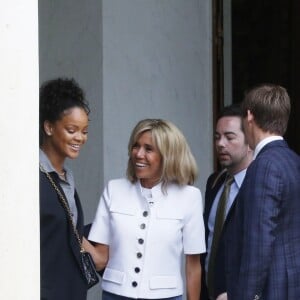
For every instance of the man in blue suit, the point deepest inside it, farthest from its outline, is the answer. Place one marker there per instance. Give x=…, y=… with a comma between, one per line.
x=234, y=156
x=263, y=235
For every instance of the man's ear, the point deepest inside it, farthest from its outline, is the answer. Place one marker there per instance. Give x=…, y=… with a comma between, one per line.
x=250, y=117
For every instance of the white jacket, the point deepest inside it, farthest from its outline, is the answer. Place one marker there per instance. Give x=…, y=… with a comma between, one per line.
x=145, y=241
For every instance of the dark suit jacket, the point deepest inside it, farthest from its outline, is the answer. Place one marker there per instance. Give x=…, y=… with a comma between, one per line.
x=263, y=236
x=214, y=183
x=61, y=276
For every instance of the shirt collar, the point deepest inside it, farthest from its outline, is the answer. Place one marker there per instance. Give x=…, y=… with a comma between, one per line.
x=239, y=177
x=264, y=142
x=47, y=165
x=45, y=162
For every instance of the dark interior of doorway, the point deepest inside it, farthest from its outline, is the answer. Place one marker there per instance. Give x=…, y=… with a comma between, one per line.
x=266, y=48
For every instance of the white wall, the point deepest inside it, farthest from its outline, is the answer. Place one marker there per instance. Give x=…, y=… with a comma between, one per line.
x=19, y=221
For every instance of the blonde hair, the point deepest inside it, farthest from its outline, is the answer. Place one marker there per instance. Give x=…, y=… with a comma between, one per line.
x=178, y=163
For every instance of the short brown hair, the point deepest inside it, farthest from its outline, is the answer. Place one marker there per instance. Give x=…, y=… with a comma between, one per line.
x=270, y=106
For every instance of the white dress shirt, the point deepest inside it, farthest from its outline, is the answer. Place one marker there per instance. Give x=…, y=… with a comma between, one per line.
x=264, y=142
x=146, y=241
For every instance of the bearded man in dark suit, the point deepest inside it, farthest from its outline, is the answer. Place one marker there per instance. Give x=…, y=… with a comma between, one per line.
x=234, y=156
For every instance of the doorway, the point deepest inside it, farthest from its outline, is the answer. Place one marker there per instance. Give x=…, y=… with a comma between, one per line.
x=255, y=42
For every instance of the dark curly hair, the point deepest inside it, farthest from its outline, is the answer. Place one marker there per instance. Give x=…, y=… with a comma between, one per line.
x=58, y=95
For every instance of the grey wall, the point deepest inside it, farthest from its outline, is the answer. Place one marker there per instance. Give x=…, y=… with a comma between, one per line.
x=135, y=59
x=156, y=63
x=70, y=45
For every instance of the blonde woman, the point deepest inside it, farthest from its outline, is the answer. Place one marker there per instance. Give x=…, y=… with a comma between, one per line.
x=144, y=223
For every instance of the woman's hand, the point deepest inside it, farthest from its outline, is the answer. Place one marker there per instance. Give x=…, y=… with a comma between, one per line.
x=99, y=253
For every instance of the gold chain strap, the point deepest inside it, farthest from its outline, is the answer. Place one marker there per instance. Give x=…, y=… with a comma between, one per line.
x=65, y=204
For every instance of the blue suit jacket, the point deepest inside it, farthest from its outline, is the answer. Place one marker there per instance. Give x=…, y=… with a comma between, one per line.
x=263, y=236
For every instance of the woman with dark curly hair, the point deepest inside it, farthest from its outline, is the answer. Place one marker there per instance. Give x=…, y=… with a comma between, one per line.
x=63, y=131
